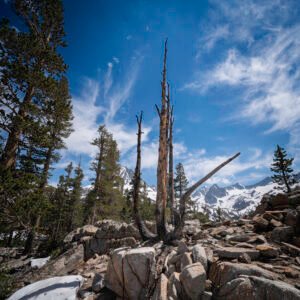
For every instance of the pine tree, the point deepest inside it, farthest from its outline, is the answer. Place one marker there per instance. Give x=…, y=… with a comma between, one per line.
x=180, y=181
x=30, y=65
x=282, y=169
x=106, y=198
x=76, y=205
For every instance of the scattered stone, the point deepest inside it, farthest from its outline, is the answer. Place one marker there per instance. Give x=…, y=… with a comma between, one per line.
x=234, y=252
x=199, y=255
x=193, y=279
x=275, y=223
x=291, y=273
x=98, y=283
x=239, y=238
x=252, y=287
x=245, y=245
x=244, y=258
x=174, y=287
x=109, y=229
x=222, y=272
x=208, y=285
x=161, y=289
x=186, y=259
x=206, y=295
x=182, y=247
x=267, y=250
x=282, y=234
x=260, y=224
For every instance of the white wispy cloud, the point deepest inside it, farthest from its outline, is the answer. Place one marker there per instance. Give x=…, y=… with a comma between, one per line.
x=88, y=114
x=240, y=21
x=261, y=63
x=85, y=124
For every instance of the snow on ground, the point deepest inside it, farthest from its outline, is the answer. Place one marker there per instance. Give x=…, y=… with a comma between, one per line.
x=39, y=262
x=55, y=288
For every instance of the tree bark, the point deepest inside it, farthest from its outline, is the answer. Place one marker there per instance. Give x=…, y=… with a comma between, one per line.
x=8, y=159
x=161, y=197
x=171, y=192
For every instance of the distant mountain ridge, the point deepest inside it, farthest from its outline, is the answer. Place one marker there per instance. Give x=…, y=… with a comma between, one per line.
x=234, y=200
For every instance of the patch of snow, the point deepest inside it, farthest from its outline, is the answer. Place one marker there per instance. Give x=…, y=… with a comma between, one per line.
x=39, y=262
x=55, y=288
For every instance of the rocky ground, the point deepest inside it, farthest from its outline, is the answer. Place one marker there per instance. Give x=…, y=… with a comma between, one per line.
x=256, y=257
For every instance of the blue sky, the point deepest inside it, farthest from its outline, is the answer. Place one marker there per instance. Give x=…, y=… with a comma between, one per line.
x=233, y=67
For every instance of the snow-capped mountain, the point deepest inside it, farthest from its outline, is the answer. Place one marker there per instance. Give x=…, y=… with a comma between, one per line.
x=127, y=175
x=234, y=200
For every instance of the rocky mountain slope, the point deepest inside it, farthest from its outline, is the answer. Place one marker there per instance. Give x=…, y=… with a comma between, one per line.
x=253, y=258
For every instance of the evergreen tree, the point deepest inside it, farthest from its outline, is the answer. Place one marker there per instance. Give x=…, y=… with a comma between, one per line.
x=61, y=208
x=105, y=199
x=180, y=181
x=282, y=169
x=76, y=205
x=30, y=66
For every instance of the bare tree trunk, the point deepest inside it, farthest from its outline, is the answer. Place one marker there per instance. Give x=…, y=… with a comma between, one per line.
x=171, y=192
x=182, y=206
x=144, y=232
x=8, y=159
x=161, y=197
x=286, y=182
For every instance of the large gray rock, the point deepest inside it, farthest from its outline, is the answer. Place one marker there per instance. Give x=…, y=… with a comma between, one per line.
x=77, y=234
x=193, y=279
x=191, y=227
x=260, y=223
x=186, y=259
x=130, y=272
x=199, y=255
x=252, y=288
x=235, y=252
x=161, y=289
x=109, y=229
x=223, y=272
x=282, y=234
x=94, y=246
x=174, y=287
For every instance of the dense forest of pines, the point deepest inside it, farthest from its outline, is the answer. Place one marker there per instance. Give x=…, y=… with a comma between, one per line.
x=36, y=118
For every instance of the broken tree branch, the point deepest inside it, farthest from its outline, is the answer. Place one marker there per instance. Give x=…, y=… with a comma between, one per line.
x=179, y=222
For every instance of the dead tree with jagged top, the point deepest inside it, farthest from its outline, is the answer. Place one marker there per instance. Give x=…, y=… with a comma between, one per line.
x=144, y=232
x=161, y=197
x=165, y=184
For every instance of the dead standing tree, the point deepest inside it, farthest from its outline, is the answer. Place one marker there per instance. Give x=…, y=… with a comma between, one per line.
x=145, y=233
x=162, y=175
x=165, y=187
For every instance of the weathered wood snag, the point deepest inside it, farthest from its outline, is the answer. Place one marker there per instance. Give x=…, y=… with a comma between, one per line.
x=165, y=181
x=144, y=232
x=161, y=197
x=171, y=191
